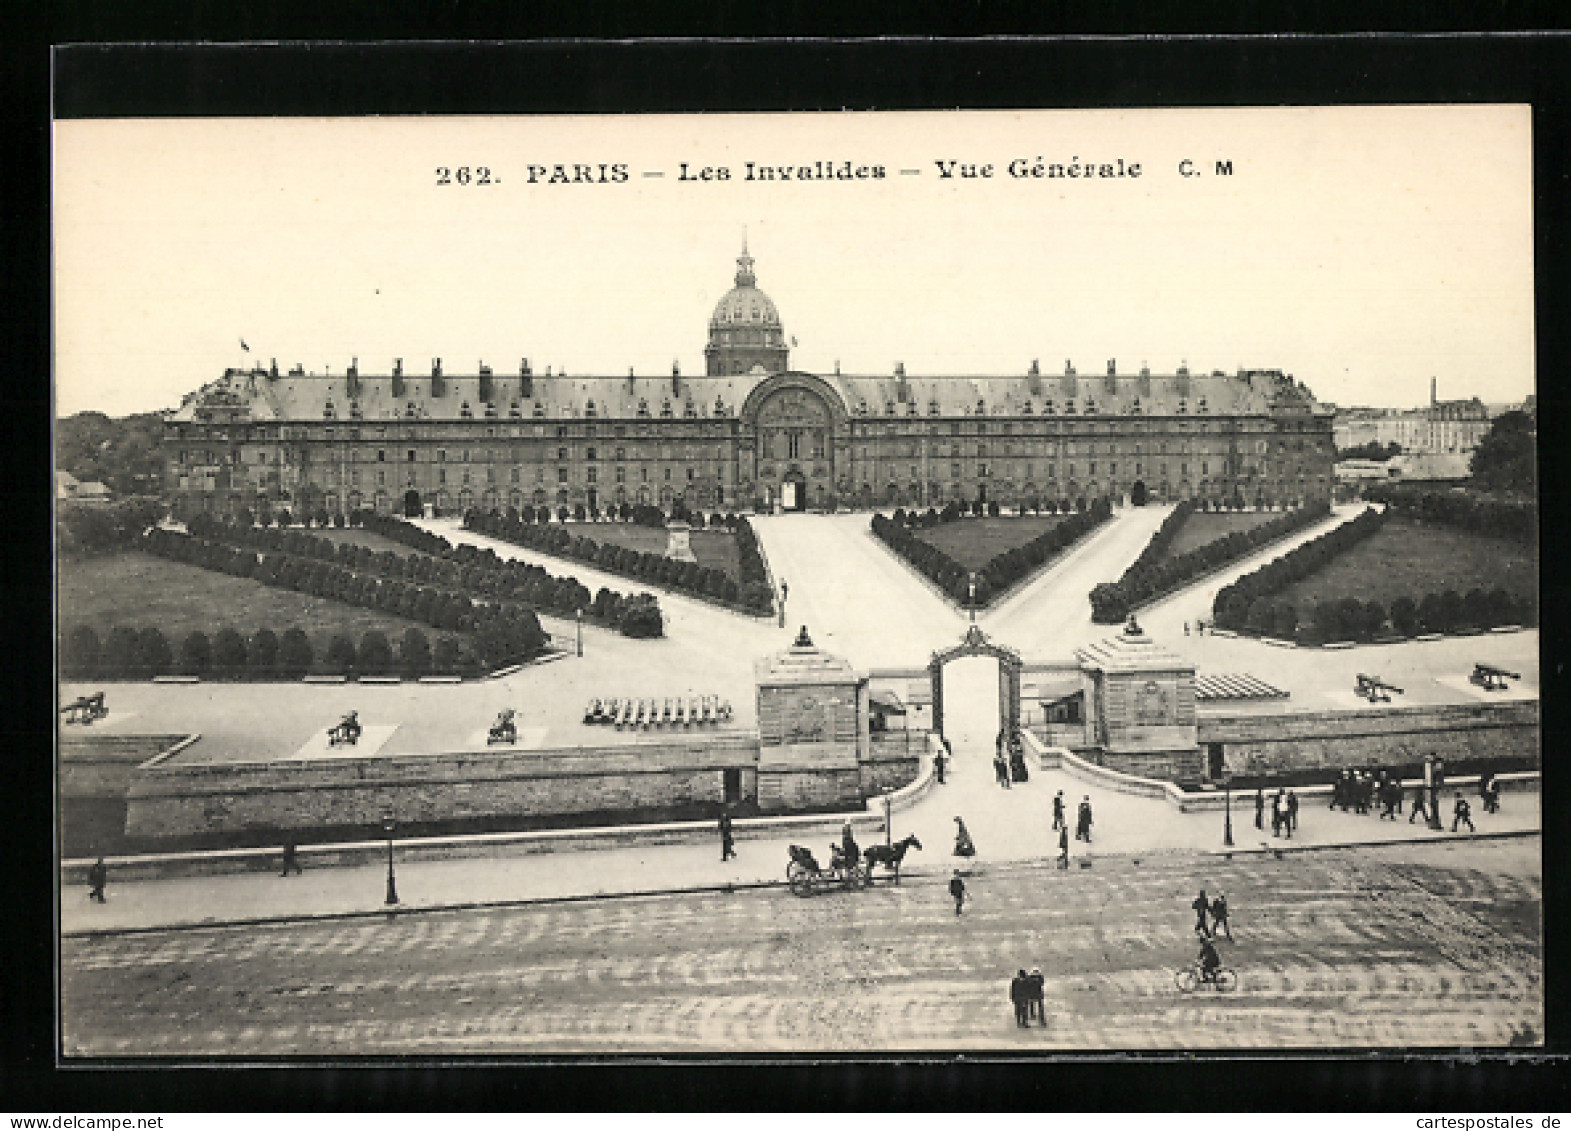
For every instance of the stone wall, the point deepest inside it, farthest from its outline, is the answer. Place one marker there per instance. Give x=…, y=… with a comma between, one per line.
x=201, y=800
x=1164, y=765
x=103, y=765
x=1384, y=736
x=893, y=762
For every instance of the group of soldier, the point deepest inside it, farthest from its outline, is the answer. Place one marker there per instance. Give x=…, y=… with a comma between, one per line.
x=1363, y=791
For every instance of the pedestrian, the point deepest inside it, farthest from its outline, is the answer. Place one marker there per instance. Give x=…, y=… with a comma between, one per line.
x=963, y=845
x=1339, y=791
x=1001, y=769
x=1186, y=628
x=1420, y=806
x=957, y=889
x=1292, y=813
x=727, y=840
x=1202, y=907
x=1038, y=987
x=1058, y=811
x=1278, y=813
x=1063, y=847
x=1260, y=806
x=1462, y=814
x=848, y=846
x=1492, y=795
x=1083, y=825
x=1360, y=794
x=1390, y=793
x=97, y=877
x=1219, y=917
x=1020, y=998
x=938, y=765
x=291, y=860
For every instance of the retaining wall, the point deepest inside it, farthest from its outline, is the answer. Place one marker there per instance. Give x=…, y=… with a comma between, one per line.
x=103, y=765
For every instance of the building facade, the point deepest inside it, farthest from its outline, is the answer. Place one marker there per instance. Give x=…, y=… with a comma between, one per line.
x=749, y=432
x=1453, y=427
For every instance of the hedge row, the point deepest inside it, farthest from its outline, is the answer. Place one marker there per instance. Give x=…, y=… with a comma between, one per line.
x=464, y=569
x=752, y=593
x=1490, y=516
x=511, y=632
x=999, y=573
x=91, y=528
x=954, y=511
x=1363, y=621
x=1231, y=608
x=142, y=653
x=1150, y=577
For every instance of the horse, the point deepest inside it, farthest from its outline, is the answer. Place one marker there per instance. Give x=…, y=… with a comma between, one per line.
x=891, y=855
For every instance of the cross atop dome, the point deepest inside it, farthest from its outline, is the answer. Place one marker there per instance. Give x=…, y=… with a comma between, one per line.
x=744, y=266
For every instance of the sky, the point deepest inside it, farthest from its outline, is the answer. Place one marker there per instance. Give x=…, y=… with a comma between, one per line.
x=1364, y=250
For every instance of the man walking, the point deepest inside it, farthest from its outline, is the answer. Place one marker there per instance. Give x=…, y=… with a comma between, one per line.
x=97, y=877
x=1058, y=811
x=291, y=859
x=1260, y=807
x=727, y=840
x=938, y=765
x=1201, y=907
x=957, y=889
x=1083, y=827
x=1037, y=985
x=1219, y=917
x=1278, y=813
x=1462, y=814
x=1420, y=806
x=1292, y=813
x=1063, y=847
x=1019, y=997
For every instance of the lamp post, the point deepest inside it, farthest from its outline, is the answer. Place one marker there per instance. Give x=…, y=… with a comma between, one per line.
x=1227, y=820
x=1433, y=777
x=578, y=616
x=971, y=594
x=888, y=827
x=392, y=886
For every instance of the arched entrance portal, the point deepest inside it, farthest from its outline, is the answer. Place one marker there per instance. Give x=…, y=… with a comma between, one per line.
x=976, y=643
x=412, y=507
x=793, y=492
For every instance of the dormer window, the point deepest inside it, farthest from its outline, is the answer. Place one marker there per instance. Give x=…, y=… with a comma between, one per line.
x=513, y=409
x=1201, y=407
x=1069, y=407
x=861, y=408
x=589, y=409
x=410, y=411
x=464, y=411
x=1047, y=407
x=490, y=411
x=719, y=407
x=1026, y=410
x=1134, y=409
x=643, y=407
x=665, y=409
x=889, y=408
x=539, y=409
x=1183, y=407
x=688, y=410
x=1090, y=405
x=327, y=411
x=932, y=407
x=354, y=410
x=981, y=407
x=910, y=408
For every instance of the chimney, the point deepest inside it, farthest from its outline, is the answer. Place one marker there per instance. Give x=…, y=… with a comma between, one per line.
x=1433, y=389
x=436, y=377
x=272, y=370
x=398, y=376
x=353, y=383
x=676, y=381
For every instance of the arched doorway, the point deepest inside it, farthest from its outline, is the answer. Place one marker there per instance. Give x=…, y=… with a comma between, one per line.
x=412, y=507
x=1138, y=495
x=793, y=491
x=976, y=643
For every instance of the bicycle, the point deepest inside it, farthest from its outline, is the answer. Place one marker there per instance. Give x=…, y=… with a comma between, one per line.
x=1191, y=978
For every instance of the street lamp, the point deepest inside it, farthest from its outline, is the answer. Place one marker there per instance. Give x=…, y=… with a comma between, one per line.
x=888, y=828
x=392, y=887
x=1227, y=801
x=1433, y=777
x=578, y=615
x=784, y=589
x=971, y=594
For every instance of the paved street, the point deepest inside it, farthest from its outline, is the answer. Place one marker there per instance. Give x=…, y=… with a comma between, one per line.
x=1413, y=946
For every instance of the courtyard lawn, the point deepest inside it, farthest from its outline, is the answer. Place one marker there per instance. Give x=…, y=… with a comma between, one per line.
x=141, y=590
x=973, y=542
x=1409, y=559
x=713, y=548
x=1204, y=527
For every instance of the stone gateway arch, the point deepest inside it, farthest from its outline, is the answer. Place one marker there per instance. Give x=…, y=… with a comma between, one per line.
x=976, y=643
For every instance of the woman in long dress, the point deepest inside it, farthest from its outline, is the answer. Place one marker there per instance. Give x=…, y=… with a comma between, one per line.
x=963, y=845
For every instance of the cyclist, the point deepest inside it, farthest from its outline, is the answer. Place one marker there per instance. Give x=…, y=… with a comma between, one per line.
x=1210, y=961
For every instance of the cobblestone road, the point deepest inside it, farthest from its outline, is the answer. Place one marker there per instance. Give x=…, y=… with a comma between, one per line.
x=1415, y=945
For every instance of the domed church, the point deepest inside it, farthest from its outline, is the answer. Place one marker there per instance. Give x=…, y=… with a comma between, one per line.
x=750, y=433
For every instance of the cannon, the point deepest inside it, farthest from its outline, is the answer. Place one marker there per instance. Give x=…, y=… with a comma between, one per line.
x=1491, y=678
x=505, y=729
x=85, y=709
x=1374, y=689
x=347, y=732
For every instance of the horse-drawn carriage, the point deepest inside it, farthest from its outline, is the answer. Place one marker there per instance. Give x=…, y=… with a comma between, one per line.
x=347, y=732
x=505, y=729
x=85, y=709
x=807, y=877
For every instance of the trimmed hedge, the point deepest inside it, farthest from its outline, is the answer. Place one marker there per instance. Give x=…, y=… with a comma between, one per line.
x=1231, y=608
x=998, y=574
x=1149, y=577
x=752, y=594
x=1488, y=515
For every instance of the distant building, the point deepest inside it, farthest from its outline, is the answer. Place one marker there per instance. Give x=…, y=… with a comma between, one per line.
x=69, y=489
x=748, y=432
x=66, y=485
x=1440, y=426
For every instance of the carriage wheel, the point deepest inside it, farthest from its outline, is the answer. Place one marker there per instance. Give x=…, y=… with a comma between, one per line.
x=800, y=879
x=1226, y=980
x=859, y=877
x=1187, y=979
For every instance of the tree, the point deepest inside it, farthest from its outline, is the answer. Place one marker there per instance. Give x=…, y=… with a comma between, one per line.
x=153, y=652
x=81, y=651
x=414, y=653
x=294, y=653
x=340, y=658
x=229, y=651
x=1404, y=616
x=448, y=656
x=1504, y=458
x=263, y=653
x=196, y=654
x=376, y=654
